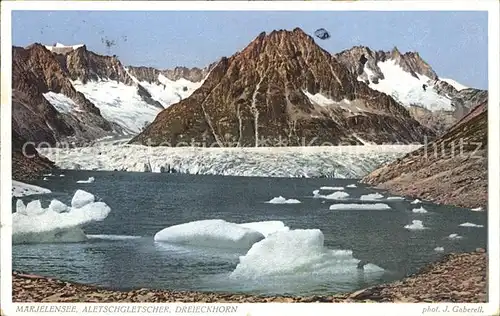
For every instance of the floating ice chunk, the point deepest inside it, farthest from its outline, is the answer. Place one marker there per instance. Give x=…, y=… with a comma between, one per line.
x=395, y=198
x=332, y=188
x=454, y=236
x=20, y=189
x=296, y=252
x=39, y=225
x=282, y=200
x=371, y=197
x=61, y=175
x=439, y=249
x=34, y=208
x=416, y=201
x=214, y=233
x=336, y=196
x=45, y=179
x=48, y=175
x=357, y=206
x=477, y=209
x=316, y=194
x=20, y=207
x=112, y=237
x=352, y=186
x=419, y=210
x=416, y=225
x=470, y=225
x=89, y=180
x=82, y=198
x=266, y=228
x=58, y=206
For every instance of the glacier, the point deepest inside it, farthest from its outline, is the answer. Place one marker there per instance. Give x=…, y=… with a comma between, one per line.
x=57, y=223
x=334, y=161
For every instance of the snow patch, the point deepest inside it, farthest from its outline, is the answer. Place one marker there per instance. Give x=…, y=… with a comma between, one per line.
x=454, y=84
x=60, y=102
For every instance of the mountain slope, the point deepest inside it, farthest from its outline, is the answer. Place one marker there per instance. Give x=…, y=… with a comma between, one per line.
x=451, y=170
x=435, y=102
x=283, y=89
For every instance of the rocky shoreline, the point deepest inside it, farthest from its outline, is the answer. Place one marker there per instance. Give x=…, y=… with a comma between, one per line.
x=458, y=277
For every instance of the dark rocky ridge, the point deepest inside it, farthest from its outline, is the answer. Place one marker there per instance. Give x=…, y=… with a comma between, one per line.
x=451, y=170
x=463, y=101
x=150, y=74
x=259, y=93
x=27, y=164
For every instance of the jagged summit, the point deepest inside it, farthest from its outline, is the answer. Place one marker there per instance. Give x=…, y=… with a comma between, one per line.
x=283, y=86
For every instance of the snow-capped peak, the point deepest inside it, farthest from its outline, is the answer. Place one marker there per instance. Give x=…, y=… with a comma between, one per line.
x=62, y=46
x=454, y=84
x=406, y=88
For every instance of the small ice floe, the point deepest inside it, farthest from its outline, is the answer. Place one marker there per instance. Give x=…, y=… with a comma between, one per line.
x=338, y=195
x=417, y=201
x=371, y=197
x=439, y=249
x=332, y=188
x=477, y=209
x=454, y=236
x=282, y=200
x=470, y=225
x=89, y=180
x=48, y=175
x=415, y=225
x=45, y=179
x=61, y=175
x=355, y=206
x=395, y=198
x=420, y=210
x=351, y=186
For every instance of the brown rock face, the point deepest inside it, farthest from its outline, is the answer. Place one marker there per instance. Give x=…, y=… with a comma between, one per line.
x=451, y=170
x=36, y=71
x=150, y=74
x=259, y=97
x=27, y=164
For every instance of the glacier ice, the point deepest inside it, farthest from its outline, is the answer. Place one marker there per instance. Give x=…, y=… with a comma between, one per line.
x=214, y=233
x=58, y=206
x=82, y=198
x=415, y=225
x=338, y=161
x=282, y=200
x=420, y=210
x=293, y=252
x=34, y=224
x=20, y=189
x=356, y=206
x=266, y=228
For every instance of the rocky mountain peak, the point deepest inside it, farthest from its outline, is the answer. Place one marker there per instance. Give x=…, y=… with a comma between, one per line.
x=283, y=85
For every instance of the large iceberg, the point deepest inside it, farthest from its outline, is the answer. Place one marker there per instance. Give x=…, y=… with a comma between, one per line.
x=293, y=252
x=58, y=222
x=20, y=189
x=214, y=233
x=266, y=228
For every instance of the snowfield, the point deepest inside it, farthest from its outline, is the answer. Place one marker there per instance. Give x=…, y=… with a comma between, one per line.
x=338, y=161
x=407, y=90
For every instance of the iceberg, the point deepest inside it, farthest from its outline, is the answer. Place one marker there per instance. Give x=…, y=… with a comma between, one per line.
x=477, y=209
x=395, y=198
x=371, y=197
x=215, y=233
x=266, y=228
x=332, y=188
x=454, y=236
x=34, y=224
x=282, y=200
x=356, y=206
x=470, y=225
x=293, y=252
x=415, y=225
x=439, y=249
x=89, y=180
x=420, y=210
x=351, y=186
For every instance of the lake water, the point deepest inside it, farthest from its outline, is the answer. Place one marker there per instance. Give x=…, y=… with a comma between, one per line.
x=123, y=255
